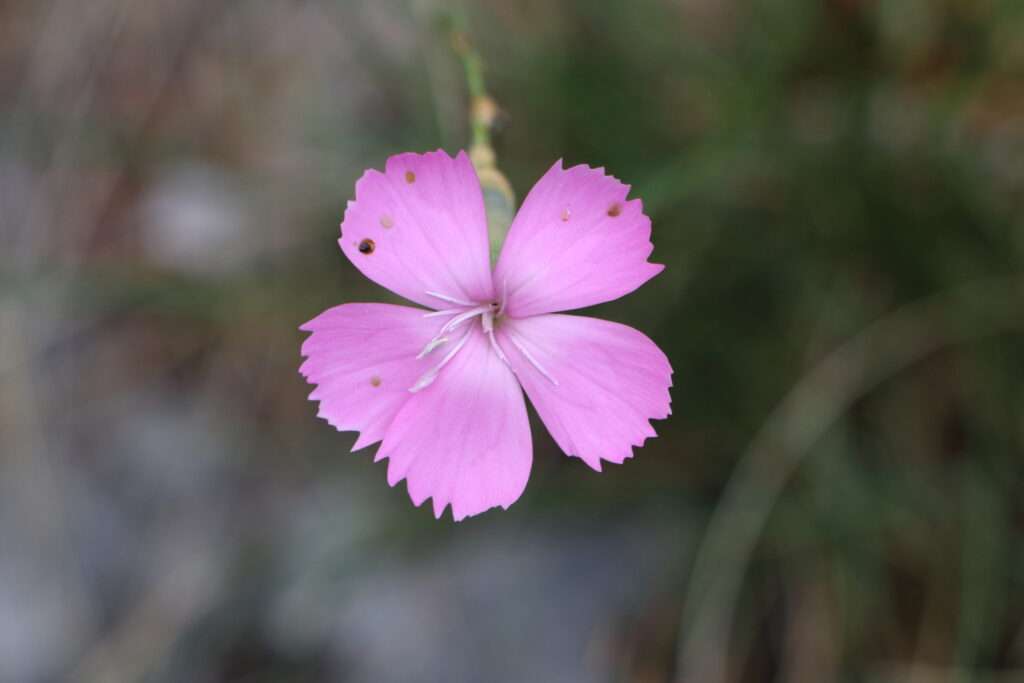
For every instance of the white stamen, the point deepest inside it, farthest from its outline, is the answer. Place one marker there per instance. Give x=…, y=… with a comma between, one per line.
x=504, y=296
x=430, y=375
x=431, y=345
x=488, y=313
x=487, y=322
x=439, y=338
x=463, y=317
x=497, y=349
x=449, y=299
x=447, y=311
x=424, y=381
x=533, y=361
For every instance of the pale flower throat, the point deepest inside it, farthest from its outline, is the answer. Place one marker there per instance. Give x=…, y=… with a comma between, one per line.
x=489, y=313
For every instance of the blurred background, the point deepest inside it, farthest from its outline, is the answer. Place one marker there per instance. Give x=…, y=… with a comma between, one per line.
x=836, y=187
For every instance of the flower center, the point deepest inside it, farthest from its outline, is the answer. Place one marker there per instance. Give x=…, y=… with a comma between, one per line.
x=490, y=315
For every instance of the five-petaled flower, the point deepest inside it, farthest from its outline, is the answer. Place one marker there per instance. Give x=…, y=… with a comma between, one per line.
x=443, y=389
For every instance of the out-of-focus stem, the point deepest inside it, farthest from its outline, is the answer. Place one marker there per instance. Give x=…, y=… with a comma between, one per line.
x=885, y=347
x=499, y=199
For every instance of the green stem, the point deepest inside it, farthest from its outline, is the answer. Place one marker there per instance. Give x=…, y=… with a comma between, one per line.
x=473, y=65
x=499, y=199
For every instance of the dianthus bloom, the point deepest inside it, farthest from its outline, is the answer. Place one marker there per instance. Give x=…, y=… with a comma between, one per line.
x=443, y=389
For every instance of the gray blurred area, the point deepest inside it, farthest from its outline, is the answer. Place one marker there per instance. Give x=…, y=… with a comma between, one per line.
x=836, y=188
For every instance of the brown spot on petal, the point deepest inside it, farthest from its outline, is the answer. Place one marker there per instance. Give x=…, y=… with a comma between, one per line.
x=566, y=213
x=367, y=246
x=410, y=177
x=615, y=209
x=375, y=381
x=386, y=221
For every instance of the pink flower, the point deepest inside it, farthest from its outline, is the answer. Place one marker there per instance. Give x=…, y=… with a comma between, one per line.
x=443, y=389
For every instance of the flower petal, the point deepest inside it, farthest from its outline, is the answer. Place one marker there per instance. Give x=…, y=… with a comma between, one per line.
x=420, y=227
x=465, y=439
x=595, y=384
x=362, y=357
x=575, y=242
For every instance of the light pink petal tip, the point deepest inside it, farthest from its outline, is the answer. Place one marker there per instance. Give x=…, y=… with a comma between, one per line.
x=595, y=384
x=576, y=241
x=420, y=227
x=465, y=439
x=362, y=357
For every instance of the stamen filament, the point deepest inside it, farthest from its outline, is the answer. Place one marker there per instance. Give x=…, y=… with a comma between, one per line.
x=431, y=345
x=533, y=361
x=446, y=311
x=449, y=299
x=430, y=375
x=463, y=317
x=504, y=296
x=497, y=349
x=439, y=338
